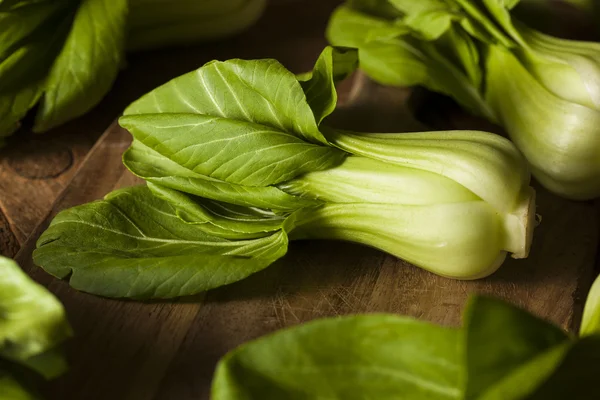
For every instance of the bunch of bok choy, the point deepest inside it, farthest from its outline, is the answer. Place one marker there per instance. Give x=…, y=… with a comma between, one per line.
x=238, y=162
x=543, y=90
x=500, y=352
x=32, y=329
x=65, y=54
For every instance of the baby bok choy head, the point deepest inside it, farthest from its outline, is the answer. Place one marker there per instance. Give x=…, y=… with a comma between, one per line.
x=238, y=163
x=543, y=90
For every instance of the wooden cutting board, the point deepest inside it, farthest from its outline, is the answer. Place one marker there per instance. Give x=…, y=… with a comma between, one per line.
x=168, y=350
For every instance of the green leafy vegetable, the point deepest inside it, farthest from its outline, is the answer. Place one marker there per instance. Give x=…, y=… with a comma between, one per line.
x=543, y=90
x=501, y=352
x=238, y=162
x=32, y=328
x=357, y=357
x=65, y=54
x=87, y=65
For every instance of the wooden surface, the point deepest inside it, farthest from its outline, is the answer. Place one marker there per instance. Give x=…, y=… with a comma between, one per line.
x=167, y=350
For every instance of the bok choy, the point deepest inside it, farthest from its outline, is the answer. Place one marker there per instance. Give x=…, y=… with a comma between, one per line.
x=500, y=352
x=543, y=90
x=65, y=54
x=32, y=329
x=238, y=162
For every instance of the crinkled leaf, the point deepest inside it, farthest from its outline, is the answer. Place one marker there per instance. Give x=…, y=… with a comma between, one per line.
x=500, y=338
x=32, y=322
x=153, y=167
x=590, y=323
x=352, y=357
x=333, y=65
x=87, y=65
x=133, y=244
x=262, y=92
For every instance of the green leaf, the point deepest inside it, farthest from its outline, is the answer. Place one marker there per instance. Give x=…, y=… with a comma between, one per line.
x=28, y=46
x=382, y=55
x=32, y=322
x=430, y=18
x=229, y=150
x=218, y=218
x=390, y=55
x=590, y=323
x=153, y=167
x=262, y=92
x=133, y=244
x=87, y=65
x=333, y=65
x=353, y=357
x=499, y=338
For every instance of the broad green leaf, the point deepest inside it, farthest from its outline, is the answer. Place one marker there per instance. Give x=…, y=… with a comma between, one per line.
x=590, y=323
x=499, y=338
x=262, y=92
x=133, y=244
x=12, y=389
x=333, y=65
x=218, y=218
x=87, y=65
x=32, y=322
x=230, y=150
x=523, y=380
x=153, y=167
x=352, y=357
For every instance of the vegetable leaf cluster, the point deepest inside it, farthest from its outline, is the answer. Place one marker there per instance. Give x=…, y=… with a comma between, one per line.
x=543, y=90
x=238, y=161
